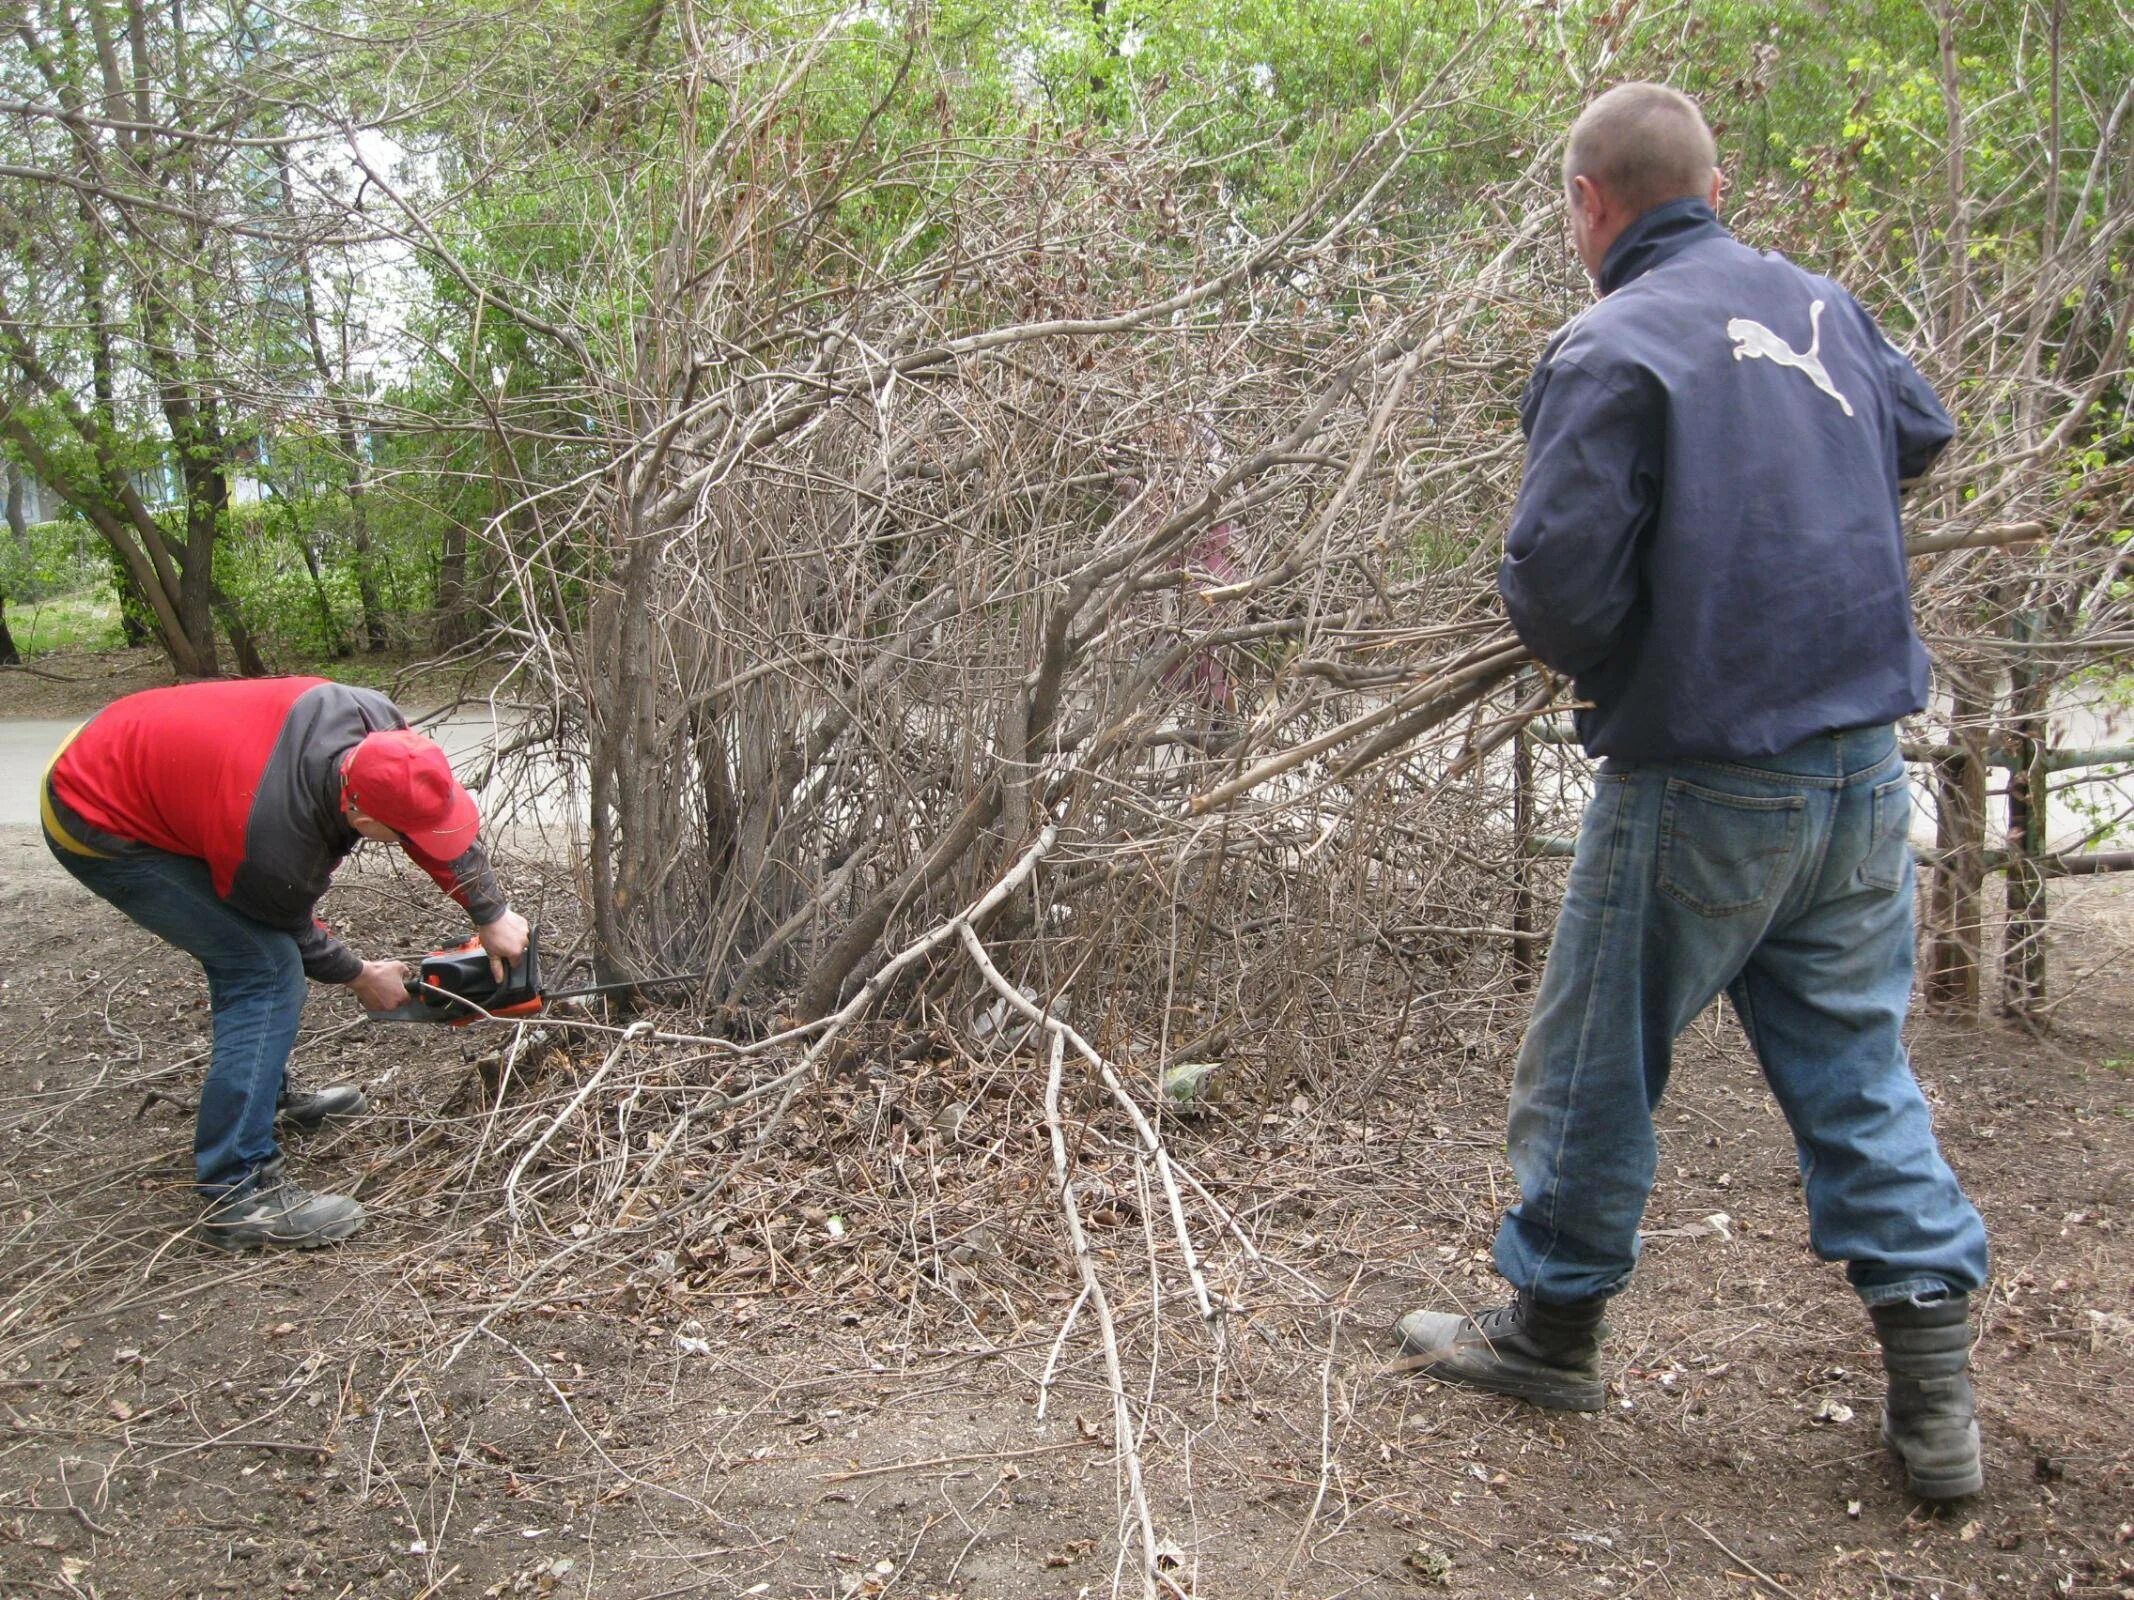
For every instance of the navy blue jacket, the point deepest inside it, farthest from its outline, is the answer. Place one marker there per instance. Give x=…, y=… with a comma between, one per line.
x=1707, y=538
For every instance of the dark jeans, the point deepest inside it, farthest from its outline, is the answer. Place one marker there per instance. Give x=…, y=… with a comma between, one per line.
x=1787, y=884
x=255, y=985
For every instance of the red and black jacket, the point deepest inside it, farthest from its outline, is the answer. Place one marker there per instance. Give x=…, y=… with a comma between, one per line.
x=244, y=776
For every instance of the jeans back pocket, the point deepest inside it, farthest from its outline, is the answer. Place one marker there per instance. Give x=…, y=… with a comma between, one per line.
x=1889, y=848
x=1721, y=854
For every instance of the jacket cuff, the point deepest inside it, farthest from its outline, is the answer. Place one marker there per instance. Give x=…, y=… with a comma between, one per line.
x=336, y=963
x=477, y=887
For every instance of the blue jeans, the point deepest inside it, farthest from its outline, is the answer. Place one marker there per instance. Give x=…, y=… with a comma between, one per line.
x=255, y=985
x=1787, y=883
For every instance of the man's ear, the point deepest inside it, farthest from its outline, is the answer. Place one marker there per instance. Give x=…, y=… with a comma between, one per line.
x=1718, y=188
x=1587, y=199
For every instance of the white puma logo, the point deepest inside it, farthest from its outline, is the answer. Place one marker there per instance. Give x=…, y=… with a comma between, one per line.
x=1752, y=338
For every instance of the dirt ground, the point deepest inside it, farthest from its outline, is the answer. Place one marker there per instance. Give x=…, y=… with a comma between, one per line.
x=368, y=1422
x=79, y=683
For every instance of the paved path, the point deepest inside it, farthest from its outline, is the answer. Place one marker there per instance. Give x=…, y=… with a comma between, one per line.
x=26, y=744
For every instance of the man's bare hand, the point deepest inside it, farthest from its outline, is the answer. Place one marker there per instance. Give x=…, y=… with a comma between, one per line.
x=505, y=940
x=382, y=985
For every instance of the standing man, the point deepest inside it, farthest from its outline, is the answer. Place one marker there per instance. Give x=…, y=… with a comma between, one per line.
x=1707, y=541
x=214, y=815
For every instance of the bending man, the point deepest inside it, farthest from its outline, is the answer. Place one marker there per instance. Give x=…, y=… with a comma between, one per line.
x=214, y=815
x=1707, y=541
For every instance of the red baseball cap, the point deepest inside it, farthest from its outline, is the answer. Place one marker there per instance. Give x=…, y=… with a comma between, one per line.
x=406, y=782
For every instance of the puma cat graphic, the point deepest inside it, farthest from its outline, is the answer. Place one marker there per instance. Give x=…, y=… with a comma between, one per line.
x=1753, y=340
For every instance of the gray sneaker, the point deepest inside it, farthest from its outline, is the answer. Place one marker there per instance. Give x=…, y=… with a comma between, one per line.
x=308, y=1110
x=276, y=1211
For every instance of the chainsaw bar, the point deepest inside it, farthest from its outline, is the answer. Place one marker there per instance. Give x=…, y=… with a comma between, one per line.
x=665, y=980
x=455, y=987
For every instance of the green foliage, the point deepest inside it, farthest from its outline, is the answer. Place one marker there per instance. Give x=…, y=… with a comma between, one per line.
x=60, y=557
x=311, y=610
x=561, y=148
x=85, y=619
x=2096, y=797
x=58, y=589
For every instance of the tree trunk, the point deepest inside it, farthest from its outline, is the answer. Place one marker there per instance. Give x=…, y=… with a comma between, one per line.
x=1952, y=977
x=336, y=641
x=196, y=588
x=506, y=520
x=350, y=436
x=137, y=618
x=250, y=663
x=1524, y=942
x=375, y=638
x=452, y=623
x=18, y=521
x=112, y=506
x=2023, y=955
x=18, y=524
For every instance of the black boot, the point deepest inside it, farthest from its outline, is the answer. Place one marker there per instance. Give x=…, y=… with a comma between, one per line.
x=1928, y=1419
x=1546, y=1354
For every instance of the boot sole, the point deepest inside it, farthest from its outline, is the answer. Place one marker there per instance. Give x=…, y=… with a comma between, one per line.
x=304, y=1129
x=318, y=1239
x=306, y=1126
x=1953, y=1488
x=1957, y=1485
x=1547, y=1391
x=1551, y=1390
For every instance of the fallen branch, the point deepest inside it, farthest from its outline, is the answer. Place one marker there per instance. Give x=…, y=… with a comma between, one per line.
x=958, y=1461
x=1093, y=1287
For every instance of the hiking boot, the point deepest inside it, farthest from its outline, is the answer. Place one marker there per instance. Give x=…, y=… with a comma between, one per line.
x=1928, y=1419
x=308, y=1110
x=1547, y=1355
x=278, y=1211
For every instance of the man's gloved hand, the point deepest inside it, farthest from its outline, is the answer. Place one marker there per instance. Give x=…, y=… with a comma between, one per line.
x=382, y=985
x=505, y=940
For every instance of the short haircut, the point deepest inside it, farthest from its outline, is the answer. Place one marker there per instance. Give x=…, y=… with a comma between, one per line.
x=1644, y=143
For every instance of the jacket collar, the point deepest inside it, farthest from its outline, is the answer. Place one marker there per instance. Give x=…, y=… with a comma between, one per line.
x=1656, y=235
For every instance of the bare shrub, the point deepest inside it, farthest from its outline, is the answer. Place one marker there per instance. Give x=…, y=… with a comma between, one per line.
x=1066, y=635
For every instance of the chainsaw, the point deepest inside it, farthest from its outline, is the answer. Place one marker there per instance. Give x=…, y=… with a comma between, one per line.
x=456, y=986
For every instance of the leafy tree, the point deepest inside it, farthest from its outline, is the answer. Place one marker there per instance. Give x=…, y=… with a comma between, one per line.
x=140, y=251
x=14, y=555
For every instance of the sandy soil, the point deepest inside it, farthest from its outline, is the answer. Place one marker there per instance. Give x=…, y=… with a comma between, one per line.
x=174, y=1422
